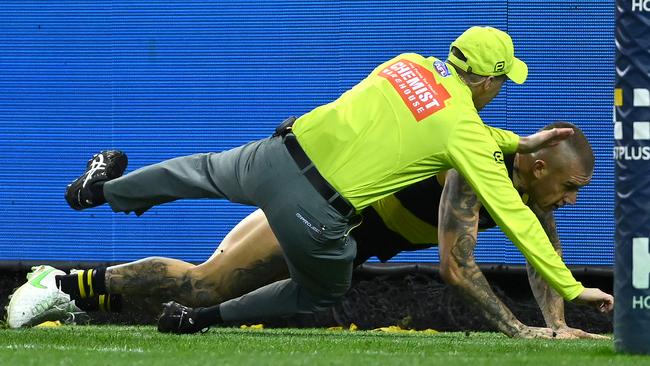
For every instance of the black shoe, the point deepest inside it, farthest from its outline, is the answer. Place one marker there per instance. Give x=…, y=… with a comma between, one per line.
x=102, y=167
x=178, y=319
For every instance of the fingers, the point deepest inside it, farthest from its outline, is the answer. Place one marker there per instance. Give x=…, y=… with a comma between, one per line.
x=610, y=303
x=596, y=336
x=560, y=333
x=607, y=304
x=556, y=135
x=586, y=335
x=537, y=335
x=553, y=137
x=596, y=298
x=566, y=335
x=543, y=139
x=534, y=332
x=546, y=333
x=574, y=333
x=562, y=133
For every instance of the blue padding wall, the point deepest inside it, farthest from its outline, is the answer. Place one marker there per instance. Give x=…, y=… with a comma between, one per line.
x=160, y=79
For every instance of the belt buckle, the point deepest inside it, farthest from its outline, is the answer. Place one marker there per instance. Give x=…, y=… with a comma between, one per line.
x=284, y=127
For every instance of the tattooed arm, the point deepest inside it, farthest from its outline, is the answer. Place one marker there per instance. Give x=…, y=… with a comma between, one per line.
x=457, y=232
x=550, y=302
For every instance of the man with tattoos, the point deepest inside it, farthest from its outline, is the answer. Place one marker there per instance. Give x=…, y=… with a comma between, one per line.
x=250, y=257
x=547, y=180
x=411, y=118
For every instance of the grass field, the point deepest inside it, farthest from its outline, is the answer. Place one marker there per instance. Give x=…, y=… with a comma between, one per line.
x=121, y=345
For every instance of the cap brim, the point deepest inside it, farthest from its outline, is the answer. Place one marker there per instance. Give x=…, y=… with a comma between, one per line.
x=519, y=71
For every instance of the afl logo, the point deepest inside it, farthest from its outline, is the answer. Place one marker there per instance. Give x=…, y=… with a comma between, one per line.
x=441, y=68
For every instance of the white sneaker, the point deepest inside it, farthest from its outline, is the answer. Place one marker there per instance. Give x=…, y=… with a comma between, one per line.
x=40, y=300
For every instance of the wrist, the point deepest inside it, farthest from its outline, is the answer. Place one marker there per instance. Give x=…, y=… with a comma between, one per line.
x=556, y=325
x=514, y=328
x=522, y=144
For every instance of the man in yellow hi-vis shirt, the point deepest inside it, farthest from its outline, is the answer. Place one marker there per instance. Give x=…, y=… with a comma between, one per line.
x=411, y=118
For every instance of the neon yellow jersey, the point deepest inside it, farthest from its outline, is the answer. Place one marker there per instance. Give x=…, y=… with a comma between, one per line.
x=391, y=130
x=411, y=118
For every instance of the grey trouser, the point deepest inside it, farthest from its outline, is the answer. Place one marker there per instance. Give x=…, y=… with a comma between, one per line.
x=313, y=235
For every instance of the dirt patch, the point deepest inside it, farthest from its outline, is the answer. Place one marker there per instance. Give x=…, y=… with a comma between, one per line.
x=417, y=301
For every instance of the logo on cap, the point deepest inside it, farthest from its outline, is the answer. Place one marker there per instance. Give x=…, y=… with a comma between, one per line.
x=498, y=67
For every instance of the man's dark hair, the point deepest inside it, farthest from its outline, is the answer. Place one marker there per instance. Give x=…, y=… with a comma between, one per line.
x=577, y=144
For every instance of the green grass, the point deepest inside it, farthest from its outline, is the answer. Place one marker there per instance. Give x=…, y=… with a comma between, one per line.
x=120, y=345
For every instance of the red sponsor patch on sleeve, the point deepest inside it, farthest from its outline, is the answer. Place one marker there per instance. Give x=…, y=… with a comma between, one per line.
x=417, y=86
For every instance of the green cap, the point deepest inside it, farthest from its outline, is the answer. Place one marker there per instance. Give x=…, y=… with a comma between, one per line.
x=489, y=52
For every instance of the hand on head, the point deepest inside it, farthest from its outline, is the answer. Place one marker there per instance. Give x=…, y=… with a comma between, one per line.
x=542, y=139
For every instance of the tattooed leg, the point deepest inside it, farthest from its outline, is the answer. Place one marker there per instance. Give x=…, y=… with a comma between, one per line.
x=248, y=258
x=164, y=277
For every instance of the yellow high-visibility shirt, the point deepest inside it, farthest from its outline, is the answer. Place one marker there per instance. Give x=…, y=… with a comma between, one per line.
x=411, y=118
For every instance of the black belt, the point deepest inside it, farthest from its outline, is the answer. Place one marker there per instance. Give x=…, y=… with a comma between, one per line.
x=313, y=176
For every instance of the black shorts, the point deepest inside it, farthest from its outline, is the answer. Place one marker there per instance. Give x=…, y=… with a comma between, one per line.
x=375, y=239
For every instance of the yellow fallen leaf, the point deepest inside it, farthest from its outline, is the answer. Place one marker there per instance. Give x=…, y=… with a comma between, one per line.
x=252, y=326
x=335, y=328
x=353, y=327
x=429, y=331
x=49, y=324
x=398, y=329
x=391, y=329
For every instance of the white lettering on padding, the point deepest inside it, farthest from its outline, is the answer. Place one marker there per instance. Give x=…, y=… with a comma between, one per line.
x=640, y=263
x=640, y=5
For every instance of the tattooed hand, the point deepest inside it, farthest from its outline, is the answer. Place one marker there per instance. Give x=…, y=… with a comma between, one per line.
x=550, y=302
x=572, y=333
x=534, y=332
x=560, y=333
